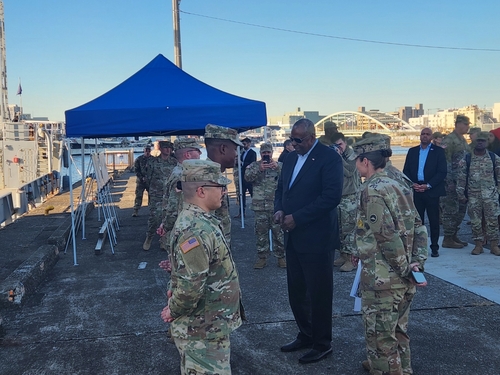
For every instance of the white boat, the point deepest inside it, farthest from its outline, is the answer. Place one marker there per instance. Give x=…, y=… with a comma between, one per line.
x=30, y=164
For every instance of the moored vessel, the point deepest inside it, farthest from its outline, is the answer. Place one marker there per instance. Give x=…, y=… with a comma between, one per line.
x=30, y=153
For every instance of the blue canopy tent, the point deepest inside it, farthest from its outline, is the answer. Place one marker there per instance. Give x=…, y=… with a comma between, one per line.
x=161, y=99
x=158, y=100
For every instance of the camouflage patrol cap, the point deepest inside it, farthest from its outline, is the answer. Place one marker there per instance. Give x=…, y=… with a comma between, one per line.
x=266, y=147
x=165, y=144
x=463, y=119
x=380, y=138
x=185, y=142
x=482, y=135
x=194, y=170
x=474, y=130
x=220, y=132
x=369, y=144
x=436, y=135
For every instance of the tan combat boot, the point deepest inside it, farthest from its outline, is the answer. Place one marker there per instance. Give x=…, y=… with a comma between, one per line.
x=450, y=244
x=366, y=365
x=136, y=211
x=147, y=242
x=479, y=248
x=261, y=263
x=282, y=262
x=347, y=266
x=495, y=250
x=340, y=260
x=458, y=240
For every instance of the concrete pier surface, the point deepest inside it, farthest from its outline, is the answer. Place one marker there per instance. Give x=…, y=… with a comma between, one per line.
x=103, y=315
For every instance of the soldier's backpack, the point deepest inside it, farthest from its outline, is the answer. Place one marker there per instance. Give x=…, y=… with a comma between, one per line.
x=467, y=161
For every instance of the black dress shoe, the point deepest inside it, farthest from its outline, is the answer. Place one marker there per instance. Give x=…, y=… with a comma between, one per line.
x=295, y=345
x=314, y=355
x=434, y=254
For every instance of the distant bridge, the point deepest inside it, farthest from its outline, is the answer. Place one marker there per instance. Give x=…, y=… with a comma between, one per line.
x=356, y=123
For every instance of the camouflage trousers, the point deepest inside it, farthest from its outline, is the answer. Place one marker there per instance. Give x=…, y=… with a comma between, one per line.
x=264, y=222
x=155, y=212
x=385, y=317
x=204, y=357
x=452, y=212
x=488, y=209
x=139, y=193
x=347, y=211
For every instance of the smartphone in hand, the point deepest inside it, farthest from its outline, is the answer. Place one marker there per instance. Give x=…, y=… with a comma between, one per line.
x=418, y=277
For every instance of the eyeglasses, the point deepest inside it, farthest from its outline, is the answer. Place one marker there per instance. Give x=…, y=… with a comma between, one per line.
x=298, y=140
x=223, y=187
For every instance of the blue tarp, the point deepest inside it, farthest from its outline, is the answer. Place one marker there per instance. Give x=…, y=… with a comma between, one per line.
x=161, y=99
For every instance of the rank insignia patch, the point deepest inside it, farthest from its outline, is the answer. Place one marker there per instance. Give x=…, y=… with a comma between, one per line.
x=189, y=244
x=360, y=223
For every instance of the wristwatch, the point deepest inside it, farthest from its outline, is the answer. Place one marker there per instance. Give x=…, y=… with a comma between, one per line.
x=429, y=186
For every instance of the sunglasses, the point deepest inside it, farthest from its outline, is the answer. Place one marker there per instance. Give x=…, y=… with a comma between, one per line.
x=298, y=140
x=222, y=187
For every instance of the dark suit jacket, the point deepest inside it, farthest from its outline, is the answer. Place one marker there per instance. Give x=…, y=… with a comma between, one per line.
x=251, y=157
x=315, y=193
x=435, y=169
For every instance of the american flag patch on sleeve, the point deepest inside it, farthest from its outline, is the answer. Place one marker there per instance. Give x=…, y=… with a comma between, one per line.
x=189, y=244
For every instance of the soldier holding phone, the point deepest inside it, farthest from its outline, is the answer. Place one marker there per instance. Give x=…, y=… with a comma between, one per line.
x=264, y=175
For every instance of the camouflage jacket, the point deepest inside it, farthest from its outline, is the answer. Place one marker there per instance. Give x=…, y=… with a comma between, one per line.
x=264, y=185
x=205, y=302
x=481, y=181
x=325, y=140
x=396, y=174
x=389, y=234
x=455, y=147
x=158, y=170
x=172, y=198
x=141, y=166
x=352, y=181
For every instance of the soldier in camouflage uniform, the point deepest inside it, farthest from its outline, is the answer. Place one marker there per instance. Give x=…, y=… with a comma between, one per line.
x=453, y=211
x=391, y=243
x=348, y=206
x=473, y=132
x=477, y=184
x=204, y=304
x=140, y=166
x=159, y=169
x=221, y=146
x=390, y=169
x=264, y=175
x=330, y=129
x=184, y=149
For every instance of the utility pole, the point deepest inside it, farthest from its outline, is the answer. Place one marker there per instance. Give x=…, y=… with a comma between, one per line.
x=177, y=33
x=4, y=108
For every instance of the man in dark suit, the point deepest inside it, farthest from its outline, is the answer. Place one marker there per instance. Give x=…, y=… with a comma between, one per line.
x=426, y=166
x=309, y=190
x=248, y=156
